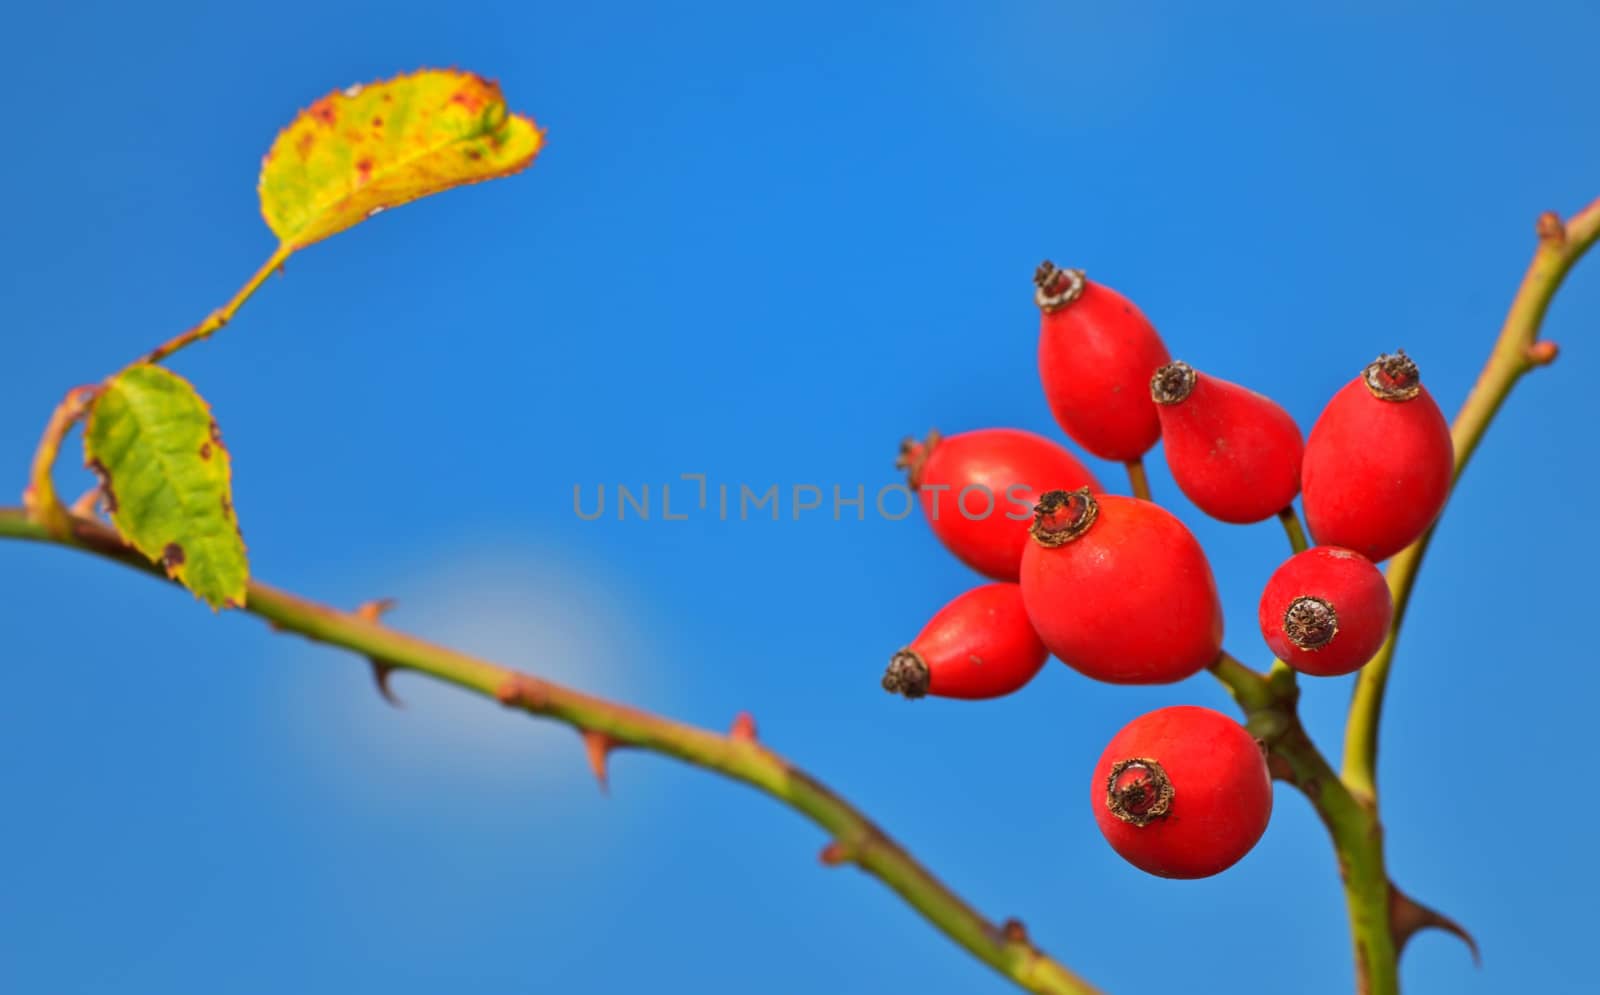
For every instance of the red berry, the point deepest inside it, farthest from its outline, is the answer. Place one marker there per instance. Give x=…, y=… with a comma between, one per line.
x=1326, y=611
x=1234, y=453
x=978, y=490
x=978, y=646
x=1378, y=463
x=1096, y=354
x=1119, y=589
x=1182, y=792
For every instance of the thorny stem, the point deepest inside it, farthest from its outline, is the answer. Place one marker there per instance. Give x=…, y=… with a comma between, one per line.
x=1270, y=704
x=222, y=315
x=1347, y=805
x=1358, y=844
x=1137, y=479
x=1516, y=352
x=856, y=839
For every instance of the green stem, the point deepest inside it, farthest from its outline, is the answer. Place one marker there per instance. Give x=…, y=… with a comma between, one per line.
x=1248, y=687
x=1137, y=479
x=1282, y=672
x=856, y=839
x=1271, y=706
x=1516, y=352
x=1358, y=844
x=1292, y=528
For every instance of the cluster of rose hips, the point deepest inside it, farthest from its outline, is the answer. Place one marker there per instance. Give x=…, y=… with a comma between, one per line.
x=1120, y=590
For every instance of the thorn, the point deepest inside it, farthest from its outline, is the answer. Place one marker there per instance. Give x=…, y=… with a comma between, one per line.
x=834, y=854
x=744, y=728
x=598, y=746
x=88, y=503
x=1543, y=353
x=1552, y=230
x=372, y=611
x=380, y=676
x=1408, y=917
x=1013, y=931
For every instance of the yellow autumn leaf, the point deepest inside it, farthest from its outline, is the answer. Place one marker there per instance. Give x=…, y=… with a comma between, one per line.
x=360, y=150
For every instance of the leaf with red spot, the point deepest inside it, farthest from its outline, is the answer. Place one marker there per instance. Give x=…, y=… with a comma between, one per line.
x=360, y=150
x=167, y=480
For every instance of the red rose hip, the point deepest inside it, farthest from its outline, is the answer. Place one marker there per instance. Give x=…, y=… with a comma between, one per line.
x=1378, y=462
x=978, y=646
x=978, y=490
x=1119, y=589
x=1326, y=611
x=1182, y=792
x=1096, y=355
x=1234, y=453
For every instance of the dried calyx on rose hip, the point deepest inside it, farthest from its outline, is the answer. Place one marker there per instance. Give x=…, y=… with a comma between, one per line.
x=978, y=490
x=1233, y=452
x=1096, y=354
x=1119, y=589
x=978, y=646
x=1378, y=463
x=1326, y=611
x=1182, y=792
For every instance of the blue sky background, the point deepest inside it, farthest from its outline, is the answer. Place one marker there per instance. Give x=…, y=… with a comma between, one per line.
x=764, y=243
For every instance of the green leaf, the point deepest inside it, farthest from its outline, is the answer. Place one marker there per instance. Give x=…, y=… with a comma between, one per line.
x=358, y=151
x=167, y=480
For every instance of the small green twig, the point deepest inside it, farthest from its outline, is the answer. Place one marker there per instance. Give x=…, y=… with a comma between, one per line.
x=1292, y=528
x=1282, y=672
x=737, y=755
x=1248, y=687
x=1516, y=352
x=1137, y=479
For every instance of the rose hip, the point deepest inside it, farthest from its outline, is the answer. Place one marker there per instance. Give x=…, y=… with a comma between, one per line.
x=1119, y=589
x=1326, y=611
x=978, y=490
x=1234, y=453
x=1378, y=462
x=1096, y=355
x=978, y=646
x=1182, y=792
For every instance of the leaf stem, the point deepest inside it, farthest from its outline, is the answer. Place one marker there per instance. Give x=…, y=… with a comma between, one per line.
x=1516, y=352
x=40, y=498
x=224, y=314
x=856, y=839
x=1137, y=479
